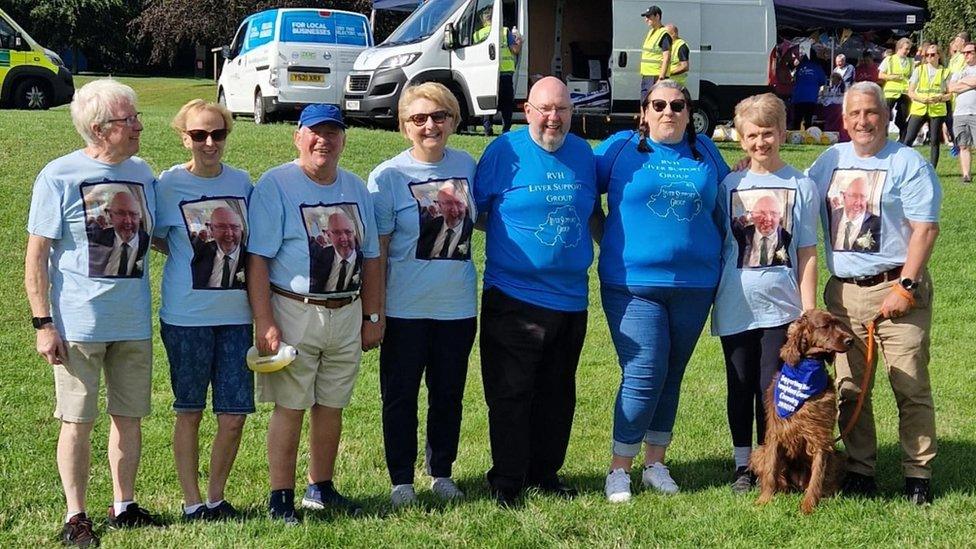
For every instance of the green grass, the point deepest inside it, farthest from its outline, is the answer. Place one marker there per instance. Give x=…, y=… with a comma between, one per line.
x=705, y=514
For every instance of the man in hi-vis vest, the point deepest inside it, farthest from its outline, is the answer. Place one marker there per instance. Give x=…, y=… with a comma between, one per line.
x=509, y=46
x=680, y=64
x=656, y=51
x=896, y=70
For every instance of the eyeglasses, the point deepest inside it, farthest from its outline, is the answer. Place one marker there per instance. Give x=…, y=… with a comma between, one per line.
x=420, y=118
x=128, y=120
x=969, y=51
x=677, y=105
x=199, y=136
x=931, y=55
x=549, y=110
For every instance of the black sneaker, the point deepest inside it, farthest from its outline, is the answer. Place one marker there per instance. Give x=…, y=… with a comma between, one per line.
x=133, y=517
x=79, y=532
x=281, y=506
x=508, y=499
x=556, y=487
x=198, y=515
x=918, y=490
x=967, y=179
x=858, y=485
x=323, y=495
x=224, y=511
x=744, y=480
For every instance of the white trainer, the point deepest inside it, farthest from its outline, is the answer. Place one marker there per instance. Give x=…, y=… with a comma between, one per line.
x=402, y=495
x=656, y=476
x=445, y=489
x=617, y=486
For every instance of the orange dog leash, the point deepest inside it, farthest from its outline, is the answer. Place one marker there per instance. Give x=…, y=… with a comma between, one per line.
x=869, y=362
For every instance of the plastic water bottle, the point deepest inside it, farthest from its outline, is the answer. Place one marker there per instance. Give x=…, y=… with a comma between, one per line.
x=271, y=363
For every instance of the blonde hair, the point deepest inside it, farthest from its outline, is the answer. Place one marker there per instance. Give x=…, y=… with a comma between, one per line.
x=764, y=110
x=431, y=91
x=93, y=103
x=903, y=42
x=198, y=105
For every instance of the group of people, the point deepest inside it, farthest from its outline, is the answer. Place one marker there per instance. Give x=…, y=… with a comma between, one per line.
x=682, y=235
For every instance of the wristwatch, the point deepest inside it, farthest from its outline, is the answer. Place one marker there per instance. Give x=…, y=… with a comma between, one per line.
x=40, y=321
x=372, y=317
x=908, y=284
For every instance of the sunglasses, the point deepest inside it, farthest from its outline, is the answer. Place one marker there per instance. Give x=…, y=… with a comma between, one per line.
x=420, y=118
x=677, y=105
x=199, y=136
x=931, y=55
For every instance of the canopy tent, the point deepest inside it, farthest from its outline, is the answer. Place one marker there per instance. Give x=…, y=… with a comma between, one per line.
x=859, y=15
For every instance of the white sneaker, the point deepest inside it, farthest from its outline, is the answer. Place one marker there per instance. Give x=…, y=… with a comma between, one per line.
x=656, y=476
x=617, y=486
x=445, y=489
x=402, y=495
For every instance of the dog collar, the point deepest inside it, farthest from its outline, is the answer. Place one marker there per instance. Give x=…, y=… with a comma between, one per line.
x=797, y=384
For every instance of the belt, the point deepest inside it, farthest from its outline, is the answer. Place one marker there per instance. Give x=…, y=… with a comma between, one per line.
x=873, y=280
x=328, y=303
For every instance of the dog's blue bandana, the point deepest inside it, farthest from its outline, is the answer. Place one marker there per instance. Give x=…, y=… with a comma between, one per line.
x=797, y=384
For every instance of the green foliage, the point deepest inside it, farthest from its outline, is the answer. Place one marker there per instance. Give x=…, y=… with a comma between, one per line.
x=949, y=17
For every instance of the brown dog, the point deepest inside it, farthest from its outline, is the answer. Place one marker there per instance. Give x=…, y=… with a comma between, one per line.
x=798, y=452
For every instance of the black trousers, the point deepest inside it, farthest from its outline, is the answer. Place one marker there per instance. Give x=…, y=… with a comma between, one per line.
x=901, y=104
x=529, y=356
x=411, y=347
x=935, y=134
x=506, y=101
x=803, y=112
x=751, y=362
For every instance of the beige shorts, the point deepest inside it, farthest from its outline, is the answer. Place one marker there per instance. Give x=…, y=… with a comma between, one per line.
x=329, y=345
x=128, y=380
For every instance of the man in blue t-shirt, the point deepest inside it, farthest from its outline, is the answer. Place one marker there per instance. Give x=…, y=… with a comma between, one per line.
x=537, y=189
x=880, y=276
x=313, y=283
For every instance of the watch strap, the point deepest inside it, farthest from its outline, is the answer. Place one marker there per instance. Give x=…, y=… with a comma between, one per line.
x=39, y=321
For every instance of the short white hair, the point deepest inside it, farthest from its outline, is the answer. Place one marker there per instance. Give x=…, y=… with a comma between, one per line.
x=93, y=104
x=866, y=88
x=841, y=56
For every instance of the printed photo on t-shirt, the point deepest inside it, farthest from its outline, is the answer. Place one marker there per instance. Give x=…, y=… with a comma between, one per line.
x=217, y=228
x=335, y=238
x=854, y=210
x=762, y=224
x=446, y=219
x=118, y=225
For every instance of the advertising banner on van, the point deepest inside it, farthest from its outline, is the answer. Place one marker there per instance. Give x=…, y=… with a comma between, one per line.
x=332, y=28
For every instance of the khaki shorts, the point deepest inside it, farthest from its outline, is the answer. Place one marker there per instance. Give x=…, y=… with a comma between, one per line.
x=128, y=380
x=329, y=345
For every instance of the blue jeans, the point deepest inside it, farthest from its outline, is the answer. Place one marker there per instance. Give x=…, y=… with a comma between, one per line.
x=654, y=330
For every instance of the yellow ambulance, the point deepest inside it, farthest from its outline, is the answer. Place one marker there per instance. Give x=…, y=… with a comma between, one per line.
x=31, y=76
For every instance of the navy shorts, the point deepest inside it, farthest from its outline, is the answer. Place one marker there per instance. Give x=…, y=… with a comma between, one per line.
x=202, y=356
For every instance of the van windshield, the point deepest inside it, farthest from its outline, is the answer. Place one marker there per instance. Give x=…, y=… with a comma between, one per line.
x=325, y=27
x=422, y=23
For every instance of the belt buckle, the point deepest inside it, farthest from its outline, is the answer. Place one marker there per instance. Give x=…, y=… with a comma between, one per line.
x=867, y=280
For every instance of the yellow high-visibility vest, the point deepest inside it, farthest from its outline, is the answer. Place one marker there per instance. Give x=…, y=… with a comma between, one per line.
x=929, y=88
x=901, y=66
x=507, y=63
x=683, y=77
x=651, y=54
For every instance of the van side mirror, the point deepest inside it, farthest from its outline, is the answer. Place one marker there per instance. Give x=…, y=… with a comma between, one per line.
x=450, y=40
x=225, y=52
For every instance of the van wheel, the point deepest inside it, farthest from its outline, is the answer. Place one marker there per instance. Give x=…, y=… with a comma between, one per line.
x=705, y=116
x=222, y=101
x=32, y=94
x=260, y=116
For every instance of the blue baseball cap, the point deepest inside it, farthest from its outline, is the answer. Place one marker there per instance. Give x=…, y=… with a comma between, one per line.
x=319, y=113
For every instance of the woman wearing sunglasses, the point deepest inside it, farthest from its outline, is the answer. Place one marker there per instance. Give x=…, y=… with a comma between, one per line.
x=659, y=266
x=927, y=88
x=205, y=319
x=425, y=218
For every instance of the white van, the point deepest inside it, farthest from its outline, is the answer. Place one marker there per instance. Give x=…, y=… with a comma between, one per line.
x=284, y=59
x=594, y=45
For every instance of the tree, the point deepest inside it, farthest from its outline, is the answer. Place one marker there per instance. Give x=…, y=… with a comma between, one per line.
x=949, y=17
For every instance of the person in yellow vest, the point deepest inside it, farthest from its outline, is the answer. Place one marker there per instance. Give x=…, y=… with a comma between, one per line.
x=895, y=70
x=680, y=64
x=955, y=64
x=510, y=45
x=656, y=51
x=928, y=90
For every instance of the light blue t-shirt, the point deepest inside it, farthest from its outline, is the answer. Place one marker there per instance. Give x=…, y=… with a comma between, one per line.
x=538, y=246
x=866, y=228
x=99, y=217
x=662, y=223
x=204, y=222
x=428, y=212
x=315, y=235
x=766, y=218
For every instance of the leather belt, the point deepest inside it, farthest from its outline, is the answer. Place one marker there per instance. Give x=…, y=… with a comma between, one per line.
x=328, y=303
x=873, y=280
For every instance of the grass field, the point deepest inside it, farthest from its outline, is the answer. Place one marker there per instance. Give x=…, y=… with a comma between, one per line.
x=705, y=513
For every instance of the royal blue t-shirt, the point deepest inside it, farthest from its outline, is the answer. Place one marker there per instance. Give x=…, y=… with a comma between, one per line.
x=808, y=78
x=538, y=246
x=662, y=224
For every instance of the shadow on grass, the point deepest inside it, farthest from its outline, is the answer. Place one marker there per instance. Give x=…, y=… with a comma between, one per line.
x=952, y=470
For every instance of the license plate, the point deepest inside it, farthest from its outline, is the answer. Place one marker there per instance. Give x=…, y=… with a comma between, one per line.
x=306, y=78
x=352, y=105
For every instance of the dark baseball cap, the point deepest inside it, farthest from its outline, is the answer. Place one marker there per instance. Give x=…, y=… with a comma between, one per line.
x=653, y=10
x=320, y=113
